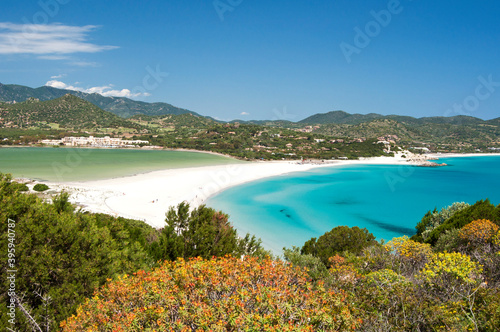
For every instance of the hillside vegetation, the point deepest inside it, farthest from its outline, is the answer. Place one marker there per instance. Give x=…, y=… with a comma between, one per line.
x=322, y=136
x=67, y=111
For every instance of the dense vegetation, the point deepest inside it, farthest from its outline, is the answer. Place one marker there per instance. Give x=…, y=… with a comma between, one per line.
x=259, y=142
x=225, y=294
x=62, y=256
x=136, y=278
x=451, y=284
x=65, y=112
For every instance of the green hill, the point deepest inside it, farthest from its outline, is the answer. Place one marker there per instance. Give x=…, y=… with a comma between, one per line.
x=340, y=117
x=67, y=111
x=123, y=107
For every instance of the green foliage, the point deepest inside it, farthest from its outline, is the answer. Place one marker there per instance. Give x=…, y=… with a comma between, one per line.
x=40, y=187
x=434, y=219
x=488, y=309
x=449, y=241
x=480, y=210
x=202, y=232
x=337, y=241
x=20, y=186
x=59, y=254
x=313, y=265
x=61, y=203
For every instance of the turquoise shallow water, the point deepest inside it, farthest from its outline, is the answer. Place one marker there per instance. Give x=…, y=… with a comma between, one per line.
x=388, y=200
x=70, y=164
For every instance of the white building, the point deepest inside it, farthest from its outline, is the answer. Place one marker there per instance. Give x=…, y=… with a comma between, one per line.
x=94, y=142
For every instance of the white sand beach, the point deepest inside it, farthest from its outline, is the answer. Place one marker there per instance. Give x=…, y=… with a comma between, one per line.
x=148, y=196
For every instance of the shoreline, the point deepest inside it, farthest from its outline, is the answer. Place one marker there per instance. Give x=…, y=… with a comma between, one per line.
x=148, y=196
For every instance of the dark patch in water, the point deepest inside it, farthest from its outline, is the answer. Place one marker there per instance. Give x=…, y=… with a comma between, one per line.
x=387, y=226
x=346, y=201
x=286, y=214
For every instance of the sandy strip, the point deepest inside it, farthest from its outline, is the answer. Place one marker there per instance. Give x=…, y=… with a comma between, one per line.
x=148, y=196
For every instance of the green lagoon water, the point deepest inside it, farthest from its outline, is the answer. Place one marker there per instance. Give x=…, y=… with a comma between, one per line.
x=75, y=164
x=389, y=201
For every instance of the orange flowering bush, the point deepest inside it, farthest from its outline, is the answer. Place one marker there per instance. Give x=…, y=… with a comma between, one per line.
x=479, y=232
x=221, y=294
x=343, y=271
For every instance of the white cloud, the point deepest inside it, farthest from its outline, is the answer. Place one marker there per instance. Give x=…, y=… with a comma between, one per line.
x=47, y=40
x=106, y=91
x=244, y=113
x=53, y=57
x=57, y=76
x=84, y=64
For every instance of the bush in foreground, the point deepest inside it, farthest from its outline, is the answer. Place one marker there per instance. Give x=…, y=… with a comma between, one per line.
x=223, y=294
x=40, y=187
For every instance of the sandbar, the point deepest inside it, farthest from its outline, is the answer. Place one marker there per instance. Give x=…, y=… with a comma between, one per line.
x=149, y=196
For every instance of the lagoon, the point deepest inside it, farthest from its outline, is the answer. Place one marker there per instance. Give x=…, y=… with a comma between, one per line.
x=80, y=164
x=388, y=200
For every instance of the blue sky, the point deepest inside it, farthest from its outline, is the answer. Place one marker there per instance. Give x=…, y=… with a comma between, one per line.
x=263, y=59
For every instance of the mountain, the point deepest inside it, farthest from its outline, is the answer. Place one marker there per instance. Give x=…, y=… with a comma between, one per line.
x=67, y=111
x=494, y=122
x=341, y=117
x=123, y=107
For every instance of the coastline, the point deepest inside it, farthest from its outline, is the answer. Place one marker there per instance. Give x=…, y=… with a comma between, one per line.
x=148, y=196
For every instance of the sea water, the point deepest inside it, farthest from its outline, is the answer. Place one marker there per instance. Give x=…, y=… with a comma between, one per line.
x=79, y=164
x=388, y=200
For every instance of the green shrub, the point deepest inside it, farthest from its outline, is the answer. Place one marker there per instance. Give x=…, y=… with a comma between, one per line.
x=40, y=187
x=337, y=241
x=20, y=186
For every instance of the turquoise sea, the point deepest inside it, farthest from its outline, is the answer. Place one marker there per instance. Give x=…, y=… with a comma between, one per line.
x=389, y=201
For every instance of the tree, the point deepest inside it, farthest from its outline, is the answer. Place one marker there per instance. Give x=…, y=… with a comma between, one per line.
x=313, y=265
x=434, y=219
x=203, y=232
x=221, y=294
x=337, y=241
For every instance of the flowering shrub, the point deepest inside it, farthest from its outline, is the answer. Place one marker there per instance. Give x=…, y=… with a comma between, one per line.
x=342, y=271
x=223, y=294
x=451, y=275
x=411, y=255
x=479, y=232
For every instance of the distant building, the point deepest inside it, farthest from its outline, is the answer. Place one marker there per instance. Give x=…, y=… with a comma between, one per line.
x=93, y=141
